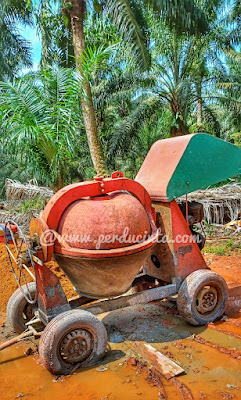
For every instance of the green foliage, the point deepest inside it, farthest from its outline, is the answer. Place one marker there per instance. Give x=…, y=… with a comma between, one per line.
x=36, y=203
x=129, y=18
x=218, y=250
x=41, y=122
x=182, y=16
x=94, y=60
x=13, y=168
x=232, y=245
x=15, y=51
x=54, y=29
x=229, y=245
x=210, y=228
x=148, y=63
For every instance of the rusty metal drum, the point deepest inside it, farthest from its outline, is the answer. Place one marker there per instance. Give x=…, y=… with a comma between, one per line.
x=104, y=222
x=103, y=232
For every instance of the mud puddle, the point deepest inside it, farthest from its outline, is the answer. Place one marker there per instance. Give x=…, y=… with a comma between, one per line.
x=22, y=377
x=211, y=356
x=209, y=373
x=211, y=360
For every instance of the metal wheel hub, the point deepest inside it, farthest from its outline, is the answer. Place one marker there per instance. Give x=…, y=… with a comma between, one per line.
x=76, y=346
x=207, y=299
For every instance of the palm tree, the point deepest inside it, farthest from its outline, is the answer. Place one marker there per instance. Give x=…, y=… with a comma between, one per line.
x=39, y=119
x=228, y=97
x=15, y=51
x=130, y=20
x=210, y=51
x=184, y=72
x=168, y=87
x=234, y=15
x=77, y=11
x=56, y=38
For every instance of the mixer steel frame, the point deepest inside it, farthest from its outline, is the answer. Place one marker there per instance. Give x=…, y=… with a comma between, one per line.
x=177, y=257
x=170, y=261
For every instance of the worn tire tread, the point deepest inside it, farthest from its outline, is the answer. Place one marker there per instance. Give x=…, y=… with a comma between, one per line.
x=56, y=329
x=15, y=304
x=191, y=285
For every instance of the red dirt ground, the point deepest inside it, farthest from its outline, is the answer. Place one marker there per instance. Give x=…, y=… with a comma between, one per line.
x=210, y=356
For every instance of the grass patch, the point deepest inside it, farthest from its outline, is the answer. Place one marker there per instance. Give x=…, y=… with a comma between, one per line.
x=36, y=203
x=218, y=250
x=223, y=248
x=31, y=204
x=232, y=245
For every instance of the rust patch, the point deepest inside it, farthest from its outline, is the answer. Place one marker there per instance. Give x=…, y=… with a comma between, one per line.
x=184, y=250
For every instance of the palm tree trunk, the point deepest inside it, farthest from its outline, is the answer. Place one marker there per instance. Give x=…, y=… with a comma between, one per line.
x=199, y=100
x=182, y=127
x=77, y=12
x=199, y=112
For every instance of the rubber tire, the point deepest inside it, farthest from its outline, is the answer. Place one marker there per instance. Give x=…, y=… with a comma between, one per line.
x=58, y=327
x=16, y=305
x=190, y=288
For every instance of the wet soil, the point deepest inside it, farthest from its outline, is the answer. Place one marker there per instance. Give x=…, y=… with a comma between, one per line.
x=210, y=355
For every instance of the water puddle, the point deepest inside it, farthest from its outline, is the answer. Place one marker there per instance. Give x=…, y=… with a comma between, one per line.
x=22, y=377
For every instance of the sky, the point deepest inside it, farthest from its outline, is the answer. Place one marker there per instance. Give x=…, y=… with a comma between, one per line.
x=30, y=34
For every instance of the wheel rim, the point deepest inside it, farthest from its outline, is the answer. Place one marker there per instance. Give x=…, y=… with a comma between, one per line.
x=18, y=258
x=208, y=299
x=76, y=346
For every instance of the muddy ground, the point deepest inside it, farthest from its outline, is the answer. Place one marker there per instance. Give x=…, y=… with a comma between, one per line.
x=210, y=355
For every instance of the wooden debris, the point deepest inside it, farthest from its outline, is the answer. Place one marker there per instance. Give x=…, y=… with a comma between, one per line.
x=157, y=360
x=16, y=339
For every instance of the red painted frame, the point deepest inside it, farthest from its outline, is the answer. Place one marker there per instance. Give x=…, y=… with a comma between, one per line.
x=64, y=197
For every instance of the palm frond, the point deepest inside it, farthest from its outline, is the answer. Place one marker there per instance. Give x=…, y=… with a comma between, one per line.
x=182, y=15
x=129, y=19
x=128, y=128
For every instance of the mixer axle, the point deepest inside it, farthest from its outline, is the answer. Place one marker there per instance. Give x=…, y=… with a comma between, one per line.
x=144, y=297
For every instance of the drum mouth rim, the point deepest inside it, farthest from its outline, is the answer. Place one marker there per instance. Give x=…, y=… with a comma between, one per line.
x=108, y=253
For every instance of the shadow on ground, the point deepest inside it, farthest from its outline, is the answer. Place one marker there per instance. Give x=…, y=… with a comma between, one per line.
x=151, y=323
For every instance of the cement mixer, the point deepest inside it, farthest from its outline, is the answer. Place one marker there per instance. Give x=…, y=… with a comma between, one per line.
x=121, y=242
